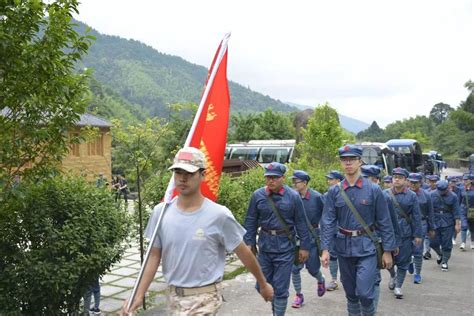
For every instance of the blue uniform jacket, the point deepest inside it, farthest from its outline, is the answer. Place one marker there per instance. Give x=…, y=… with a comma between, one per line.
x=260, y=214
x=394, y=219
x=445, y=216
x=426, y=207
x=313, y=205
x=370, y=202
x=465, y=204
x=409, y=202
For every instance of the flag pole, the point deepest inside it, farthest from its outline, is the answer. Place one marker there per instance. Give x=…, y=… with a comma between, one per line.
x=170, y=188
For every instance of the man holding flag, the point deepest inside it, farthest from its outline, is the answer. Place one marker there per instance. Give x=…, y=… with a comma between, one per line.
x=196, y=232
x=194, y=237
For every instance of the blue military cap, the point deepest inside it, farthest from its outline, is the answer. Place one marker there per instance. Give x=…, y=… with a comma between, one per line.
x=387, y=179
x=400, y=171
x=415, y=177
x=334, y=174
x=370, y=171
x=432, y=177
x=452, y=179
x=301, y=175
x=442, y=185
x=275, y=169
x=350, y=151
x=465, y=176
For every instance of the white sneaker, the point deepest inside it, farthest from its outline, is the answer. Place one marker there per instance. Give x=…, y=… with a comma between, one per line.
x=472, y=246
x=398, y=292
x=444, y=266
x=454, y=242
x=391, y=284
x=463, y=246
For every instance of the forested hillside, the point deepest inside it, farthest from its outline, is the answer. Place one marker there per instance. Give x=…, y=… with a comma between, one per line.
x=143, y=76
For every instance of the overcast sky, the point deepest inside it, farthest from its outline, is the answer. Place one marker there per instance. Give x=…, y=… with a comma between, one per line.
x=371, y=60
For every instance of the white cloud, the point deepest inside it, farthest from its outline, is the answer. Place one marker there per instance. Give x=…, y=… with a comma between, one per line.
x=373, y=60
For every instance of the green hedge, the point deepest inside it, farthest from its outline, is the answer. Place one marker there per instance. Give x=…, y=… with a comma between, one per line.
x=56, y=237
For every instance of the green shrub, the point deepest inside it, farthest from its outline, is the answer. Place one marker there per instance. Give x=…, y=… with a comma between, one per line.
x=56, y=237
x=235, y=193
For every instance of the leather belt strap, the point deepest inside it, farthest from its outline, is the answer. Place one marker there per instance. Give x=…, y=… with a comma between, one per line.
x=188, y=291
x=353, y=233
x=274, y=232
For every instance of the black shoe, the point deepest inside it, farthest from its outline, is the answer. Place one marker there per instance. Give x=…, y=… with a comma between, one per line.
x=439, y=259
x=427, y=256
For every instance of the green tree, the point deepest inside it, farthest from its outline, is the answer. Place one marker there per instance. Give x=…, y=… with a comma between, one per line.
x=374, y=133
x=57, y=237
x=468, y=105
x=440, y=112
x=243, y=127
x=40, y=94
x=321, y=138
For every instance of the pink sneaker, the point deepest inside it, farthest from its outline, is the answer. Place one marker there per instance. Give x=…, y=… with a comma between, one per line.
x=321, y=288
x=299, y=300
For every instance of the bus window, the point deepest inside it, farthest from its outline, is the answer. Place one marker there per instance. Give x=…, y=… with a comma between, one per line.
x=280, y=154
x=244, y=153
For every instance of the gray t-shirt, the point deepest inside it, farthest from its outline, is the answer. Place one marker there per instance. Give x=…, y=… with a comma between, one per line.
x=193, y=244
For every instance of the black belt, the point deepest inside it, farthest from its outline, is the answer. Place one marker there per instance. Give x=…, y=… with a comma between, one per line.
x=315, y=225
x=275, y=232
x=354, y=233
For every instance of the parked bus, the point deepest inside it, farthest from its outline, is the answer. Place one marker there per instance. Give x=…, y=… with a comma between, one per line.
x=378, y=154
x=263, y=151
x=411, y=157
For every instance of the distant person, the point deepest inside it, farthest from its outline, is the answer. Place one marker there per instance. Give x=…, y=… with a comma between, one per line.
x=115, y=188
x=93, y=289
x=100, y=182
x=123, y=188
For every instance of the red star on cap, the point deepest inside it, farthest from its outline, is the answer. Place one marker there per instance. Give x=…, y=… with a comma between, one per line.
x=270, y=167
x=346, y=148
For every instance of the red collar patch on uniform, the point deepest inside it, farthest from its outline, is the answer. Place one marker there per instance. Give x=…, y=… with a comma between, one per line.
x=307, y=195
x=280, y=192
x=358, y=184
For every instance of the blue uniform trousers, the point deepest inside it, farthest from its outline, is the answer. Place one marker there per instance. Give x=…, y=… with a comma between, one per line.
x=443, y=238
x=276, y=268
x=418, y=250
x=402, y=261
x=358, y=276
x=313, y=264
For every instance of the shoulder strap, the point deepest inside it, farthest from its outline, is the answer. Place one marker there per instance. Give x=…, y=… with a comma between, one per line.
x=356, y=214
x=280, y=218
x=450, y=208
x=466, y=198
x=308, y=223
x=402, y=211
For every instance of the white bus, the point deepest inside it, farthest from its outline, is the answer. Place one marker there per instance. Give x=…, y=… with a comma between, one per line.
x=263, y=151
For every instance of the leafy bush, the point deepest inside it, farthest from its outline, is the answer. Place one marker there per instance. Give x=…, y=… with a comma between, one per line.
x=235, y=193
x=56, y=237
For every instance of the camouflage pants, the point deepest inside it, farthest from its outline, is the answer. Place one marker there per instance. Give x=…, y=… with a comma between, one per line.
x=200, y=304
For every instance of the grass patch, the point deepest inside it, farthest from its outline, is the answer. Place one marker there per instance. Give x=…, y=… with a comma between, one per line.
x=236, y=272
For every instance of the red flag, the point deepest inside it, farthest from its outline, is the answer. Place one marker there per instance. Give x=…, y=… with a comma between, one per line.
x=209, y=130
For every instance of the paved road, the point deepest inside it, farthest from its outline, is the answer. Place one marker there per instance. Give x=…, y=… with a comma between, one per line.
x=440, y=293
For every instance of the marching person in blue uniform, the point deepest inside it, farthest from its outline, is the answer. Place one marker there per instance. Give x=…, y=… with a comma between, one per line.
x=333, y=178
x=279, y=212
x=467, y=210
x=372, y=172
x=453, y=187
x=387, y=182
x=313, y=206
x=424, y=185
x=407, y=208
x=432, y=180
x=356, y=198
x=446, y=217
x=428, y=229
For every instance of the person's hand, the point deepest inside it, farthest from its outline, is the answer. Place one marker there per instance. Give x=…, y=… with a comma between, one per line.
x=457, y=228
x=418, y=241
x=432, y=234
x=266, y=291
x=303, y=255
x=325, y=259
x=137, y=302
x=387, y=261
x=396, y=251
